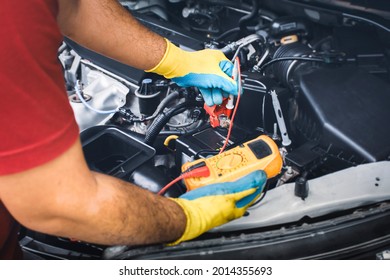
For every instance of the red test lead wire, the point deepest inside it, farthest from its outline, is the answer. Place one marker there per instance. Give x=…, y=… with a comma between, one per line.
x=202, y=171
x=238, y=78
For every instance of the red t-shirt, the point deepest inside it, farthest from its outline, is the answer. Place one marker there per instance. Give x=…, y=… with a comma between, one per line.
x=36, y=120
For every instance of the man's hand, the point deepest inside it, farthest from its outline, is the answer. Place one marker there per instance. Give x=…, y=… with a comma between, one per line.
x=209, y=70
x=216, y=204
x=104, y=26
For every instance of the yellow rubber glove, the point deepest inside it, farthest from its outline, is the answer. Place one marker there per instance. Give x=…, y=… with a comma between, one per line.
x=209, y=70
x=217, y=204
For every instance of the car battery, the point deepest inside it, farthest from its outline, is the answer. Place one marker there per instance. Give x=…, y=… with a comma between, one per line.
x=208, y=141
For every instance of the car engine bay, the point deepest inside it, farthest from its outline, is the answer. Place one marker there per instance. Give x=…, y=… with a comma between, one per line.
x=315, y=81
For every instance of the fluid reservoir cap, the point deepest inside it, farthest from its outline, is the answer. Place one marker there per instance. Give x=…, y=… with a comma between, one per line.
x=146, y=87
x=229, y=161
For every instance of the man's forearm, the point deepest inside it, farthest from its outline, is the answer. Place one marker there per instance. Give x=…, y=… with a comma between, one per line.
x=122, y=213
x=64, y=198
x=107, y=28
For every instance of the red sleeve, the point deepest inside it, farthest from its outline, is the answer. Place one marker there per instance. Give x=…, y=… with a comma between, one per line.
x=36, y=120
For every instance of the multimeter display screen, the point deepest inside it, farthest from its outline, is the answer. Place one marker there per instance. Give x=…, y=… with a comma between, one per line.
x=260, y=149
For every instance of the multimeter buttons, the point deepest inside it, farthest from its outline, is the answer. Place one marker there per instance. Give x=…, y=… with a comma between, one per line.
x=229, y=161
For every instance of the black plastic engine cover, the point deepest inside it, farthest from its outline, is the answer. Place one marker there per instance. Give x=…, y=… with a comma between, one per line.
x=347, y=111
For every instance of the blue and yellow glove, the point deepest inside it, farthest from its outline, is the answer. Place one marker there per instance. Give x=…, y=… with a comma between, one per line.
x=209, y=70
x=217, y=204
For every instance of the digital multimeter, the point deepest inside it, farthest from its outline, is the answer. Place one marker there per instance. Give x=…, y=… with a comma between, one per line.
x=261, y=153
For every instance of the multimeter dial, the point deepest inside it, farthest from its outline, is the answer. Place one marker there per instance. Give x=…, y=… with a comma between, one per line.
x=229, y=161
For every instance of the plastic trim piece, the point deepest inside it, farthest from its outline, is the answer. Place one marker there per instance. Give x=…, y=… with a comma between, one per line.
x=347, y=189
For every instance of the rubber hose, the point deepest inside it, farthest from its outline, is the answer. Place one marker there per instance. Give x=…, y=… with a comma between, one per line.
x=162, y=119
x=281, y=69
x=174, y=95
x=227, y=33
x=245, y=20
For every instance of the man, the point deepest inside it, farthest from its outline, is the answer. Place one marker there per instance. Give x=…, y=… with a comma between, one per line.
x=45, y=183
